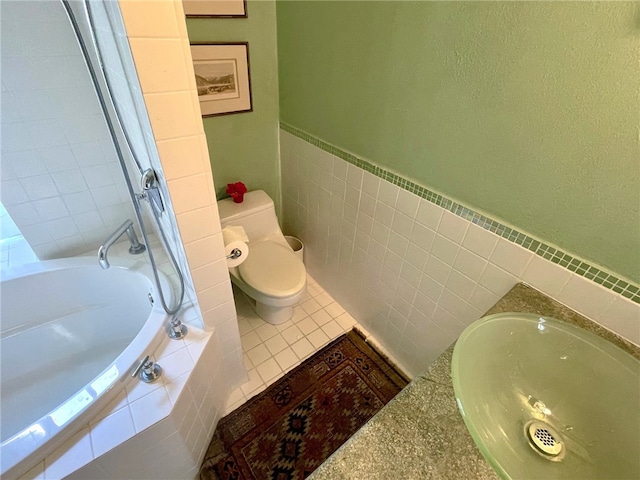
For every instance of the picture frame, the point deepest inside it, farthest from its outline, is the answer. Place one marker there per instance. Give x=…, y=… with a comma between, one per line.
x=223, y=79
x=215, y=8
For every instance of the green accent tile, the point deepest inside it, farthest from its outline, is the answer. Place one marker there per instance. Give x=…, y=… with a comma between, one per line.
x=593, y=271
x=633, y=289
x=622, y=284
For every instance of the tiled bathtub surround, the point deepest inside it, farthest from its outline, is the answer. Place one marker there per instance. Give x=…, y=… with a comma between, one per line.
x=411, y=271
x=176, y=418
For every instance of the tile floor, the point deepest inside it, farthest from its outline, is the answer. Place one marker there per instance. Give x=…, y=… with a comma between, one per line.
x=270, y=351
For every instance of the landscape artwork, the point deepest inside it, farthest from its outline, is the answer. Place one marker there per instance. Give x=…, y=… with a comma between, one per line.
x=222, y=77
x=217, y=78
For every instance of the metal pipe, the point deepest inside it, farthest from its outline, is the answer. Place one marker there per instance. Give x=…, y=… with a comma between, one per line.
x=111, y=125
x=135, y=248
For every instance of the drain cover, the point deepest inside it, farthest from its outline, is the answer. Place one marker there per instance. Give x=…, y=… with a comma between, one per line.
x=544, y=438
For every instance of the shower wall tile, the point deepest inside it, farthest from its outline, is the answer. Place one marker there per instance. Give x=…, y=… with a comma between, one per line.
x=411, y=272
x=181, y=157
x=164, y=108
x=163, y=64
x=190, y=193
x=52, y=129
x=155, y=19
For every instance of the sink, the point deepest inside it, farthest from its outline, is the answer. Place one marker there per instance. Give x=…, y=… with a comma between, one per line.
x=543, y=398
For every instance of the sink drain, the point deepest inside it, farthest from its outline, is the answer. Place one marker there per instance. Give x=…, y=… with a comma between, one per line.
x=544, y=439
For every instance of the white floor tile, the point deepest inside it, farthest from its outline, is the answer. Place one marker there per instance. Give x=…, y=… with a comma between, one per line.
x=321, y=317
x=244, y=326
x=315, y=289
x=332, y=329
x=311, y=306
x=276, y=344
x=346, y=321
x=270, y=351
x=266, y=331
x=250, y=340
x=303, y=348
x=292, y=334
x=307, y=325
x=287, y=359
x=258, y=354
x=298, y=314
x=318, y=339
x=324, y=299
x=269, y=370
x=334, y=309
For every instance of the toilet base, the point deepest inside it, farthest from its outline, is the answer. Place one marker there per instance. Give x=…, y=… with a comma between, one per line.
x=273, y=315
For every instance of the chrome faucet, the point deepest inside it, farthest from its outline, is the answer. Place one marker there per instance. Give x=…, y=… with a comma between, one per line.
x=135, y=248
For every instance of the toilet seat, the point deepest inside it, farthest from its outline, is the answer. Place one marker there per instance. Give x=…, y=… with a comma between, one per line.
x=273, y=269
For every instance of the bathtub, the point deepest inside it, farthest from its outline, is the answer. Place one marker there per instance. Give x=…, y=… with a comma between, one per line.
x=70, y=335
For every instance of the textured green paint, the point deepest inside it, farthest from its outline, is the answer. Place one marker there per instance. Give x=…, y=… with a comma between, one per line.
x=244, y=146
x=527, y=112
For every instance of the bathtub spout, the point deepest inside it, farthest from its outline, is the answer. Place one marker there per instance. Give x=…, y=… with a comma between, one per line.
x=135, y=248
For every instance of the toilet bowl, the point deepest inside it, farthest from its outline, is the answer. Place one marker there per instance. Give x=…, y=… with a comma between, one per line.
x=272, y=275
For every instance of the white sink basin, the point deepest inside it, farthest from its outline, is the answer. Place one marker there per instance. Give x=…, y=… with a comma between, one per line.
x=545, y=399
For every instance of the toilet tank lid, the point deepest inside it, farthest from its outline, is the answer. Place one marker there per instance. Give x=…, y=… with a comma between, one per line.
x=254, y=201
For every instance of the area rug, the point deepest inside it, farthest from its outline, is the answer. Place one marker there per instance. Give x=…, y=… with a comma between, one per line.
x=288, y=430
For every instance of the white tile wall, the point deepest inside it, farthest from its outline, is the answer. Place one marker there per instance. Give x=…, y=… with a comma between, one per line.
x=56, y=151
x=412, y=273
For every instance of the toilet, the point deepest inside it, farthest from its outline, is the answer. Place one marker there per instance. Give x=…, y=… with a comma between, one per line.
x=272, y=275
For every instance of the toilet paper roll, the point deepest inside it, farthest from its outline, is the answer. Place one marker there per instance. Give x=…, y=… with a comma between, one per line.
x=237, y=252
x=234, y=233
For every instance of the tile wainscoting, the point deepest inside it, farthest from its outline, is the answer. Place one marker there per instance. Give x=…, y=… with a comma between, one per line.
x=412, y=267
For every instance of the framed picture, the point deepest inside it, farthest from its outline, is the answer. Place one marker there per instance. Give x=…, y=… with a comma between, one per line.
x=215, y=8
x=222, y=77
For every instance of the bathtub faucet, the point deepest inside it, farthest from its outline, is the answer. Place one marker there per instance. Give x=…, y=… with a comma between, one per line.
x=135, y=248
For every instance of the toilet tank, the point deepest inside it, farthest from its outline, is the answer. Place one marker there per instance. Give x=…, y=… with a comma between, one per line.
x=256, y=214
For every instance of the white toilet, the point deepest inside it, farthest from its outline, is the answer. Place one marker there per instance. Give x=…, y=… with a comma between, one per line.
x=272, y=274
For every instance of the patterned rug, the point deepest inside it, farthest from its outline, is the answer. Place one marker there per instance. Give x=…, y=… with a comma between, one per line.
x=288, y=430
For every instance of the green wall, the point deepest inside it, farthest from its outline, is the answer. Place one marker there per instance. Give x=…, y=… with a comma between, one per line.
x=527, y=112
x=244, y=146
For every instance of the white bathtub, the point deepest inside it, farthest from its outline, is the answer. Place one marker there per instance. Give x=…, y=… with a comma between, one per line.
x=70, y=335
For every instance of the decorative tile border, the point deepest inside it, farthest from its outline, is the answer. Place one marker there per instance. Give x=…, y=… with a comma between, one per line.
x=556, y=256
